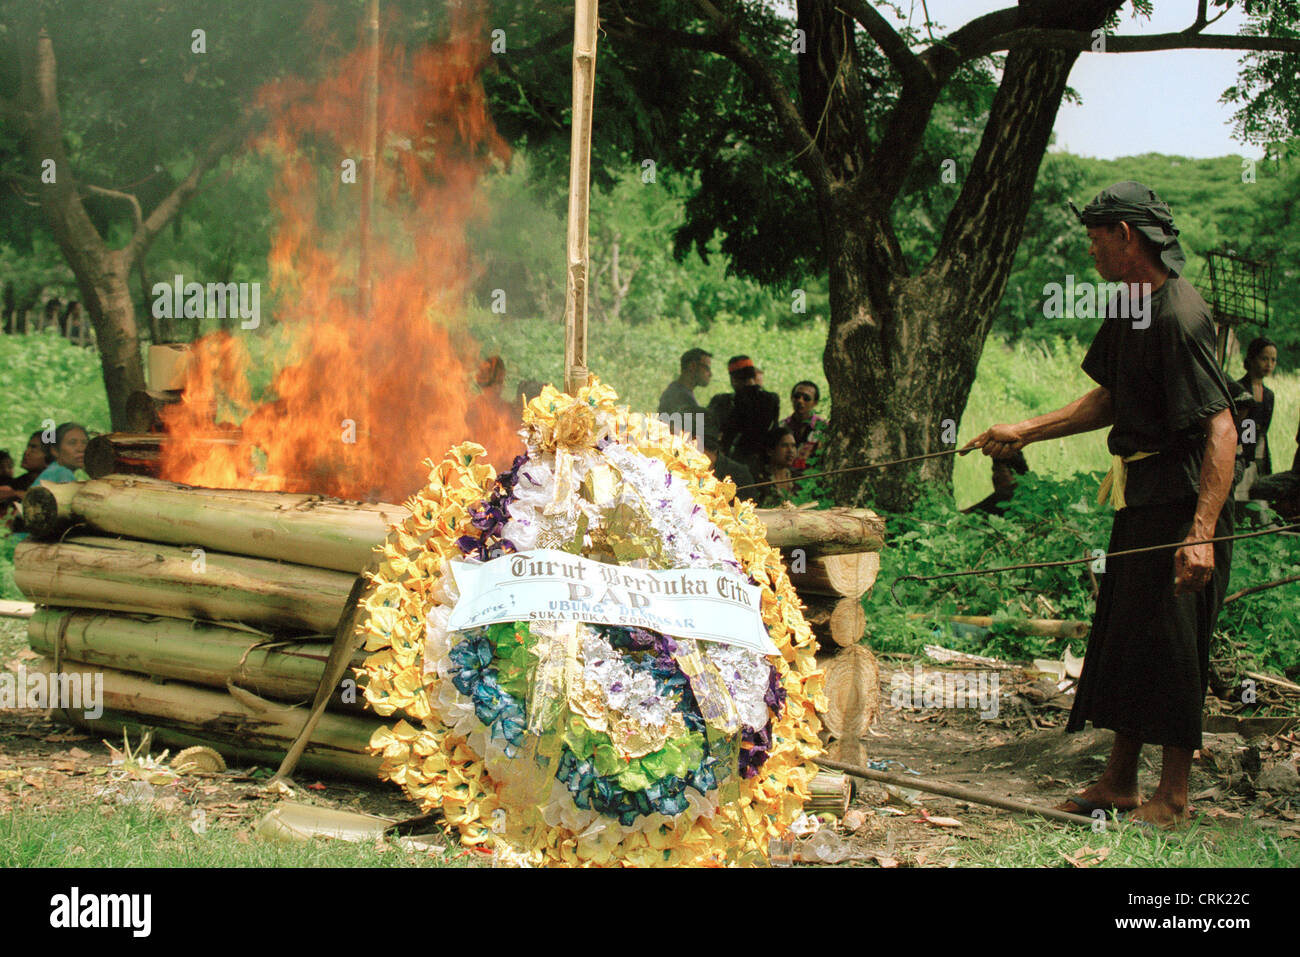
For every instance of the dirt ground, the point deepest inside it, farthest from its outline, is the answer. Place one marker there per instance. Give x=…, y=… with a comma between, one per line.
x=1022, y=754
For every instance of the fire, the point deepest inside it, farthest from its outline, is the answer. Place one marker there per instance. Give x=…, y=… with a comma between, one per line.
x=358, y=403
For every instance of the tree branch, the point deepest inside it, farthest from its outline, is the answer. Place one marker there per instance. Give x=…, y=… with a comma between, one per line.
x=725, y=42
x=892, y=45
x=162, y=214
x=1082, y=42
x=116, y=194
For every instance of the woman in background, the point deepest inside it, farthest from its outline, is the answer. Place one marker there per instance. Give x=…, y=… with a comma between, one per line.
x=1261, y=360
x=70, y=441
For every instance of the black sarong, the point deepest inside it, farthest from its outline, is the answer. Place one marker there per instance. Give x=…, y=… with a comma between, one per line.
x=1148, y=659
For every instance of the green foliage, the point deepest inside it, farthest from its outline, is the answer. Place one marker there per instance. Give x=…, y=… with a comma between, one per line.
x=1047, y=520
x=48, y=379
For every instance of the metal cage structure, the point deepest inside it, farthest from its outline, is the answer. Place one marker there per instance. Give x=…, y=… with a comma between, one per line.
x=1239, y=290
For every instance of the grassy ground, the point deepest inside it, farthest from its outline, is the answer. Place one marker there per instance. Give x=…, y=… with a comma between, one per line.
x=143, y=836
x=1202, y=844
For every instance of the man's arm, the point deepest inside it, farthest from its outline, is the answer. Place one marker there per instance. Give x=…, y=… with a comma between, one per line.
x=1090, y=411
x=1194, y=564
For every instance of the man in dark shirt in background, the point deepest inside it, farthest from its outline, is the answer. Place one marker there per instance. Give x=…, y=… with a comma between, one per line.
x=1173, y=443
x=679, y=397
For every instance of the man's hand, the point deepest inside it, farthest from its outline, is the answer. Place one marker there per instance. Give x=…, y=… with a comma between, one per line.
x=998, y=441
x=1193, y=566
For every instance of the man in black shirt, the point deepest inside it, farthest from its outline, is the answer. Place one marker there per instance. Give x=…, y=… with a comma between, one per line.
x=1173, y=443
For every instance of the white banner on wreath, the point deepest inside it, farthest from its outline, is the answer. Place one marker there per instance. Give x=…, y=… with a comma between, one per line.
x=549, y=585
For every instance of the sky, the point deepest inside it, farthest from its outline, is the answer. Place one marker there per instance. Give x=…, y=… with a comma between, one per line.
x=1135, y=103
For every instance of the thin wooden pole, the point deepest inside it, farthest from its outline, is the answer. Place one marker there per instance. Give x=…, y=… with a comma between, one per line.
x=952, y=791
x=369, y=136
x=575, y=297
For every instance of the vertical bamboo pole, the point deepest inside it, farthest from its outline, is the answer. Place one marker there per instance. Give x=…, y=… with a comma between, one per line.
x=369, y=136
x=575, y=296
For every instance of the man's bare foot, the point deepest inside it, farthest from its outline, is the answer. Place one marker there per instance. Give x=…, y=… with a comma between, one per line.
x=1162, y=811
x=1100, y=796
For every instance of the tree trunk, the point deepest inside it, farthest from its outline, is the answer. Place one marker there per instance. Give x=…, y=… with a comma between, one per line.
x=902, y=350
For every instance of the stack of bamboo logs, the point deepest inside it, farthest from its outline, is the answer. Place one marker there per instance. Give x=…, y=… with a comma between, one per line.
x=210, y=612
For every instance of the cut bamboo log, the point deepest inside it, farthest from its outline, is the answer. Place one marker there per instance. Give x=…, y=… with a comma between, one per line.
x=138, y=453
x=228, y=724
x=148, y=579
x=307, y=529
x=852, y=692
x=835, y=621
x=829, y=793
x=849, y=576
x=818, y=532
x=189, y=651
x=331, y=533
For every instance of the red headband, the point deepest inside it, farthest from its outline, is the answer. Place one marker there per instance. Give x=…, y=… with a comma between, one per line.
x=735, y=365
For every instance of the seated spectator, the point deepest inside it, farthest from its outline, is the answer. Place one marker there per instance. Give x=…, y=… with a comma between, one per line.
x=744, y=417
x=36, y=456
x=696, y=369
x=724, y=467
x=8, y=497
x=778, y=459
x=807, y=426
x=70, y=440
x=1005, y=471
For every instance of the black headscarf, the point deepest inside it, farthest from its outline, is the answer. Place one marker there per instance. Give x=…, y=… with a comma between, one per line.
x=1132, y=203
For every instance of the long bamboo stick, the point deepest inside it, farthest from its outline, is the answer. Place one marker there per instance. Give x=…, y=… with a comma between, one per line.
x=952, y=791
x=189, y=651
x=148, y=579
x=576, y=288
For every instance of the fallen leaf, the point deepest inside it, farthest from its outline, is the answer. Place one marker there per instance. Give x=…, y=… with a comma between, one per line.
x=65, y=736
x=940, y=821
x=26, y=654
x=854, y=820
x=241, y=836
x=885, y=861
x=317, y=786
x=77, y=754
x=34, y=781
x=1086, y=856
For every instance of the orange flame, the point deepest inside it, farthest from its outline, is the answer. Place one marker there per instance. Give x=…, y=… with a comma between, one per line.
x=360, y=402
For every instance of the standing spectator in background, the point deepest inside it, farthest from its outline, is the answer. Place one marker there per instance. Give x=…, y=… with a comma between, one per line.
x=806, y=424
x=696, y=369
x=746, y=416
x=70, y=441
x=1261, y=360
